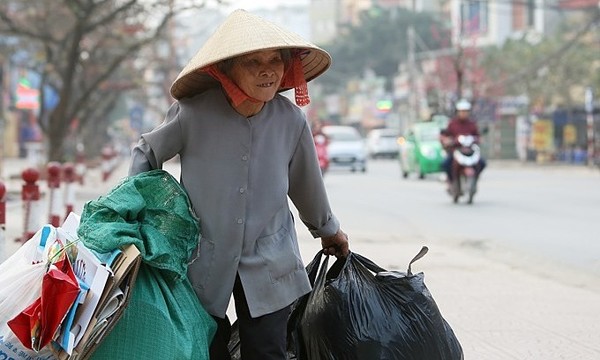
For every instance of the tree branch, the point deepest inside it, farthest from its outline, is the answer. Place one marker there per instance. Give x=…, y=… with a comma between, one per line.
x=551, y=58
x=115, y=63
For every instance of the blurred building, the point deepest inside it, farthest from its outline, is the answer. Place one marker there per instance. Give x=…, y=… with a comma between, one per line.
x=493, y=22
x=20, y=134
x=486, y=22
x=324, y=20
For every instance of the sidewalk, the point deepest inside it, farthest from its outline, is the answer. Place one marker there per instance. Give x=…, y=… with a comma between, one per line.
x=497, y=310
x=11, y=177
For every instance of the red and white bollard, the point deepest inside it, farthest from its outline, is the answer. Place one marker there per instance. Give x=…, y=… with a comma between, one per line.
x=70, y=176
x=107, y=159
x=2, y=213
x=2, y=209
x=53, y=200
x=30, y=194
x=80, y=167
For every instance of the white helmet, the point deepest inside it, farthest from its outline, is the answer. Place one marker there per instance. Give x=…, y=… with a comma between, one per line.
x=463, y=104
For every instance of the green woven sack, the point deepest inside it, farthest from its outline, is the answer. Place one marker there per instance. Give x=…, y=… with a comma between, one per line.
x=150, y=210
x=164, y=318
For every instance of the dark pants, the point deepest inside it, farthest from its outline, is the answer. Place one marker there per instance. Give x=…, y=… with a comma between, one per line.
x=447, y=166
x=262, y=338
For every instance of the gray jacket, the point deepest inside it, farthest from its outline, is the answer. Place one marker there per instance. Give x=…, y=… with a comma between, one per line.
x=238, y=173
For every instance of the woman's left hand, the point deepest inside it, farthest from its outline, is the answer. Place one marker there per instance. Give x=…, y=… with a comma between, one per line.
x=336, y=244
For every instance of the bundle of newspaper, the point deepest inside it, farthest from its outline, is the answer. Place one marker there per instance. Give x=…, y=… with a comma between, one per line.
x=106, y=280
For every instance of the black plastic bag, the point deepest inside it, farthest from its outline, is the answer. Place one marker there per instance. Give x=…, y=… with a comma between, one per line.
x=358, y=310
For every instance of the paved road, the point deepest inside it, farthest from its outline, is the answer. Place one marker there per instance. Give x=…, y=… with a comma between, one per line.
x=524, y=214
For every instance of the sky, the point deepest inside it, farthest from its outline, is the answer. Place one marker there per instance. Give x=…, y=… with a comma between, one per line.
x=262, y=4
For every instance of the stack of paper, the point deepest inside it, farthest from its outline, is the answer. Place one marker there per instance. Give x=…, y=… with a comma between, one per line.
x=106, y=281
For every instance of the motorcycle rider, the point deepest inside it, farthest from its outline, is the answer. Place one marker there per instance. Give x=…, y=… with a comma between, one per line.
x=461, y=124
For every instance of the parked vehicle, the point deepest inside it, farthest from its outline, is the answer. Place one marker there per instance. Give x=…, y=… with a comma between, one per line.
x=420, y=150
x=382, y=143
x=346, y=148
x=466, y=156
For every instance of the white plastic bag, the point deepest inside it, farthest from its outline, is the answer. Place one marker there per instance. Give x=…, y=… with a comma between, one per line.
x=20, y=285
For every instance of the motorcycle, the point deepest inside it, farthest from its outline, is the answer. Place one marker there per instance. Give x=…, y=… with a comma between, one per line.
x=321, y=142
x=466, y=157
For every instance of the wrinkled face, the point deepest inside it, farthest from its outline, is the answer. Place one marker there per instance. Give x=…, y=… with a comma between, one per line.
x=258, y=74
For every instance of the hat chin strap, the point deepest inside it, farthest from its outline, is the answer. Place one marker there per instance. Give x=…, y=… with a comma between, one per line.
x=237, y=95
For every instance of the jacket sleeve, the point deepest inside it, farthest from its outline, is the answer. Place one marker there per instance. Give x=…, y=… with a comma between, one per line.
x=142, y=158
x=159, y=145
x=307, y=190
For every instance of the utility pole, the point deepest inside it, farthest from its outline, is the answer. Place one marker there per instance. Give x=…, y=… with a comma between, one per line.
x=2, y=117
x=589, y=109
x=412, y=98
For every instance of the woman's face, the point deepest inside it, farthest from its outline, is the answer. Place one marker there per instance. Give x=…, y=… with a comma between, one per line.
x=259, y=74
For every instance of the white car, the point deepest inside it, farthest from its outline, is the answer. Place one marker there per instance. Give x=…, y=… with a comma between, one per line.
x=382, y=143
x=346, y=149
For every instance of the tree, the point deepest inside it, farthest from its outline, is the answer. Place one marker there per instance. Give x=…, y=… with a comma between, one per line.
x=85, y=51
x=378, y=43
x=549, y=69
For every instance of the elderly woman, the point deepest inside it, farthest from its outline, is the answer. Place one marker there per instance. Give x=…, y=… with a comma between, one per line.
x=244, y=149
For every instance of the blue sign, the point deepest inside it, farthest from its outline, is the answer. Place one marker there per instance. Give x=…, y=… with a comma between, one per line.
x=136, y=117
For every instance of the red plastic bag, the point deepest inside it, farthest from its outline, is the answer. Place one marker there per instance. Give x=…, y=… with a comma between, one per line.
x=37, y=325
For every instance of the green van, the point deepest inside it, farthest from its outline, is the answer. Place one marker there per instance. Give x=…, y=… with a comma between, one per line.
x=420, y=149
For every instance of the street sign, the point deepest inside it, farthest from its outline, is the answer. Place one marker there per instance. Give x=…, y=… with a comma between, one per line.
x=27, y=98
x=136, y=117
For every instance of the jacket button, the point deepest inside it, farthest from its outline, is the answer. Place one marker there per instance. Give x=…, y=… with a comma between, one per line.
x=240, y=221
x=242, y=190
x=244, y=157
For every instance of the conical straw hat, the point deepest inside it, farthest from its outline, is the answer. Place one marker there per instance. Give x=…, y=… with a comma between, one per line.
x=242, y=33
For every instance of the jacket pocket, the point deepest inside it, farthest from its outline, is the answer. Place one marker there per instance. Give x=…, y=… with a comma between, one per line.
x=280, y=254
x=200, y=269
